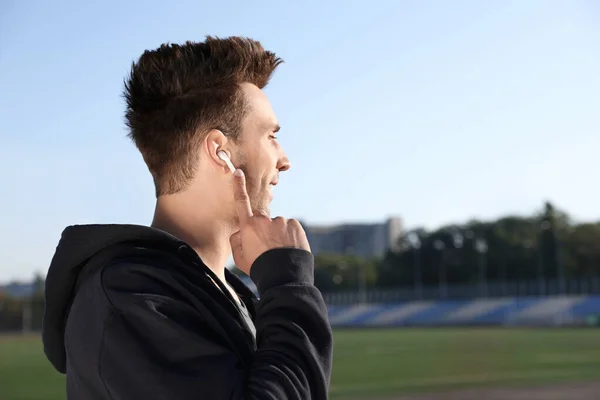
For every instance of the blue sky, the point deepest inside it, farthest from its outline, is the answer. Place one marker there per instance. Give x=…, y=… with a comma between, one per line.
x=435, y=111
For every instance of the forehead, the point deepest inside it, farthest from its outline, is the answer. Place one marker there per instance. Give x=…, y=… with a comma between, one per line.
x=261, y=114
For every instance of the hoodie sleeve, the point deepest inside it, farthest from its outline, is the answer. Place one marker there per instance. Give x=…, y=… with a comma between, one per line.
x=157, y=345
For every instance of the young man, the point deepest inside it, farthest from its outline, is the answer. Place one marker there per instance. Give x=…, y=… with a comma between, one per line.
x=137, y=312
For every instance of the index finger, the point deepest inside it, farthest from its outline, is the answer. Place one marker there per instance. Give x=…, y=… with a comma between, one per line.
x=240, y=195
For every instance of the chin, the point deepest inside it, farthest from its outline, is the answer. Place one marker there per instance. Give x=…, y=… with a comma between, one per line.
x=263, y=205
x=265, y=210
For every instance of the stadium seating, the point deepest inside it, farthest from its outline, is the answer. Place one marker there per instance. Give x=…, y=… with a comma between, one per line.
x=521, y=311
x=557, y=310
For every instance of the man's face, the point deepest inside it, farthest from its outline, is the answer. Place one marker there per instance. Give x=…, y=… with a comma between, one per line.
x=258, y=153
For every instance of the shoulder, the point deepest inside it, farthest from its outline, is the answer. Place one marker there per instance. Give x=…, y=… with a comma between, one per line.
x=139, y=275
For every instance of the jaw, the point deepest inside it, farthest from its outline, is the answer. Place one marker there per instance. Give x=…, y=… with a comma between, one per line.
x=261, y=203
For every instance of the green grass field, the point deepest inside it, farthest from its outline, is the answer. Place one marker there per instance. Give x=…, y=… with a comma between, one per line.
x=369, y=363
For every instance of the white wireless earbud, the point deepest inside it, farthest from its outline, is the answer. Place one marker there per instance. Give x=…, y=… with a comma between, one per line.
x=223, y=156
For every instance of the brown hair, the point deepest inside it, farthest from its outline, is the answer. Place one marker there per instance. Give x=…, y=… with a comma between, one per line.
x=177, y=93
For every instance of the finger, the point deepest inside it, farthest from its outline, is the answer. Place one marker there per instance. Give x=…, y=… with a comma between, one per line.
x=242, y=201
x=279, y=220
x=295, y=224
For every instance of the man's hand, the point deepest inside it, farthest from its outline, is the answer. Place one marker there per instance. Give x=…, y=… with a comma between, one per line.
x=258, y=233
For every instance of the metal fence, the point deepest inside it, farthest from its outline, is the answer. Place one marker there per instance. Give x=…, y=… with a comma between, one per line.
x=21, y=315
x=539, y=288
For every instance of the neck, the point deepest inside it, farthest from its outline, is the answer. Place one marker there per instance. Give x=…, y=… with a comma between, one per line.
x=206, y=232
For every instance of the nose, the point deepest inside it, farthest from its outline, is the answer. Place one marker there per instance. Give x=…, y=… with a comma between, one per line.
x=283, y=164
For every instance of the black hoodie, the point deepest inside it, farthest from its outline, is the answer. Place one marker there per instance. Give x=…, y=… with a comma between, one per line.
x=133, y=313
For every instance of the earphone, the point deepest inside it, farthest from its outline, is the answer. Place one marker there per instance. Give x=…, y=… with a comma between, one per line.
x=223, y=156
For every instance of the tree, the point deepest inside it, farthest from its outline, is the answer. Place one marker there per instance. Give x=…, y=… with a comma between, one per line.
x=541, y=246
x=582, y=250
x=335, y=272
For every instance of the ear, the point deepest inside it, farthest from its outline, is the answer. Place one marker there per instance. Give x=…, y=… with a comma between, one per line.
x=214, y=142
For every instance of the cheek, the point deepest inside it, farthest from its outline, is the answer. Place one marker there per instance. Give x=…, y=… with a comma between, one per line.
x=269, y=155
x=259, y=162
x=253, y=176
x=262, y=161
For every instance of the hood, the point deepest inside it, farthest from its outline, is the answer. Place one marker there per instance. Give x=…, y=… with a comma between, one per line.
x=77, y=245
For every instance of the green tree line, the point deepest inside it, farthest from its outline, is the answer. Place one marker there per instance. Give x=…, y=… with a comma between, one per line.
x=546, y=245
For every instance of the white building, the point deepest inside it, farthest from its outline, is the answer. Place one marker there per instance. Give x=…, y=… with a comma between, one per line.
x=364, y=240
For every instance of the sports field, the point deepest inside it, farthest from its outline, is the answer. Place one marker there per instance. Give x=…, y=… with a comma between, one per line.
x=438, y=363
